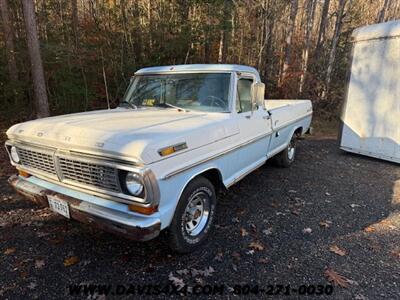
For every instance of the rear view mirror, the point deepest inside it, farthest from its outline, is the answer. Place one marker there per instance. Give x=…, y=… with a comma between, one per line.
x=258, y=90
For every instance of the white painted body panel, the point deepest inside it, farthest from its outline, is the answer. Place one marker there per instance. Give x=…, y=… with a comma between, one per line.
x=371, y=115
x=283, y=113
x=232, y=143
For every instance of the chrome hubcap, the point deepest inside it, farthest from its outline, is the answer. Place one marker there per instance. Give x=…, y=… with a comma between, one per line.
x=196, y=213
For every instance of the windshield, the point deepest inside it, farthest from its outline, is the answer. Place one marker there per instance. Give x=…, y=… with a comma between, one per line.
x=200, y=91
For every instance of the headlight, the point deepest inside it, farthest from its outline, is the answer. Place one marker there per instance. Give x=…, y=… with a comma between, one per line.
x=14, y=154
x=133, y=184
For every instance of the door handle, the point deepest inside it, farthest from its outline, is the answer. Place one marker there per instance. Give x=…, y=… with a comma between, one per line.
x=267, y=117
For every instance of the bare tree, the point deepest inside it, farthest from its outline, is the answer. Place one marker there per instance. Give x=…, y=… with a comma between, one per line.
x=9, y=40
x=223, y=43
x=39, y=84
x=288, y=48
x=335, y=41
x=307, y=44
x=265, y=37
x=322, y=26
x=75, y=21
x=382, y=13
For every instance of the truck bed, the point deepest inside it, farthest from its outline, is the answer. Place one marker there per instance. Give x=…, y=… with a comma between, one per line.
x=284, y=112
x=277, y=103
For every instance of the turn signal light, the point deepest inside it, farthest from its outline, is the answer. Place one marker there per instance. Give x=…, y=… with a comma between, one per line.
x=167, y=151
x=143, y=210
x=172, y=149
x=23, y=174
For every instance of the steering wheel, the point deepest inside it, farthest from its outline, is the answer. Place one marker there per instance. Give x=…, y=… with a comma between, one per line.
x=214, y=99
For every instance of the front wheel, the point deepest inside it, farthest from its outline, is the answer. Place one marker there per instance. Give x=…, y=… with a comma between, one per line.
x=193, y=216
x=285, y=158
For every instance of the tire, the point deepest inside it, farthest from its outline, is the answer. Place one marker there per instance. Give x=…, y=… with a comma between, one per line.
x=192, y=223
x=286, y=158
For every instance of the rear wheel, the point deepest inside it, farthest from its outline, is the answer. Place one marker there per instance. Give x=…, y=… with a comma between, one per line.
x=285, y=158
x=193, y=216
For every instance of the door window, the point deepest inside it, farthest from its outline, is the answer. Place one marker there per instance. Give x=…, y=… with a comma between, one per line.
x=243, y=96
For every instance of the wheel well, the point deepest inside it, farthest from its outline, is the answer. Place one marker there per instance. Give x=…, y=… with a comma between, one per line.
x=298, y=131
x=215, y=177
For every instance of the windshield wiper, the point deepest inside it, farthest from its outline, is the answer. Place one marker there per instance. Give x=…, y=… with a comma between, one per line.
x=129, y=103
x=173, y=106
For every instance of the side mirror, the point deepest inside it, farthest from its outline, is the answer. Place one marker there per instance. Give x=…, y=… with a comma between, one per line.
x=258, y=90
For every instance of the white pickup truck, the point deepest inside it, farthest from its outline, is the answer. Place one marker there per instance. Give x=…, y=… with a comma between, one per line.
x=157, y=161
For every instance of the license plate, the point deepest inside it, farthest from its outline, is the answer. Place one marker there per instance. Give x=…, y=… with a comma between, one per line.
x=59, y=206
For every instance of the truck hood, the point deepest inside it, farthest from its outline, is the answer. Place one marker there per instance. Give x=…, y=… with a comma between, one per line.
x=135, y=135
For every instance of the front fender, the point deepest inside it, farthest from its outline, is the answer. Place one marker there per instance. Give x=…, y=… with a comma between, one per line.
x=172, y=188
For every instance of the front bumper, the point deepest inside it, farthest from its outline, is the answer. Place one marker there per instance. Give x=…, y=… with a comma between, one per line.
x=104, y=215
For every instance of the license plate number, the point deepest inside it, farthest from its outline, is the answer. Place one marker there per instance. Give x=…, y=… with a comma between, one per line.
x=59, y=206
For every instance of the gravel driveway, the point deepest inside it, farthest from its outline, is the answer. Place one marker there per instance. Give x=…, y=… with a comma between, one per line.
x=330, y=211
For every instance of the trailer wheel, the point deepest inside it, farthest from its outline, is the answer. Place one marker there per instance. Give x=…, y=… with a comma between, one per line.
x=193, y=216
x=285, y=158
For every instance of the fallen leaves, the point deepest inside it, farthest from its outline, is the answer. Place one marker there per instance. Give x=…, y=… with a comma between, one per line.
x=240, y=211
x=263, y=260
x=194, y=273
x=385, y=224
x=336, y=279
x=337, y=250
x=70, y=261
x=176, y=281
x=295, y=211
x=369, y=229
x=41, y=234
x=236, y=255
x=325, y=224
x=206, y=272
x=32, y=285
x=9, y=251
x=256, y=246
x=235, y=220
x=243, y=232
x=275, y=204
x=219, y=256
x=39, y=263
x=395, y=254
x=267, y=231
x=58, y=240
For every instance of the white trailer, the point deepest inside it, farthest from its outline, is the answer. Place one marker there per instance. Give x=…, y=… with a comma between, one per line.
x=371, y=113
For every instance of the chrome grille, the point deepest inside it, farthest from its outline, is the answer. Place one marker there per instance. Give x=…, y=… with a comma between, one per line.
x=69, y=170
x=103, y=177
x=37, y=160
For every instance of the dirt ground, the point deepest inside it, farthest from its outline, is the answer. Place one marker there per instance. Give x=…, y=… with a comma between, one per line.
x=330, y=213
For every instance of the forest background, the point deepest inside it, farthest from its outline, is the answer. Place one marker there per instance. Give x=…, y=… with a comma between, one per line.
x=64, y=56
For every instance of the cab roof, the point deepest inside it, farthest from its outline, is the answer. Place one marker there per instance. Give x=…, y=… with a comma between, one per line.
x=197, y=68
x=377, y=31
